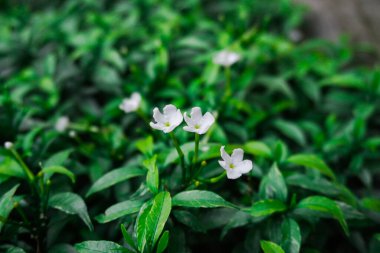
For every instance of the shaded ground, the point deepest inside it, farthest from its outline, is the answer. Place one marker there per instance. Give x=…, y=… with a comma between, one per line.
x=358, y=18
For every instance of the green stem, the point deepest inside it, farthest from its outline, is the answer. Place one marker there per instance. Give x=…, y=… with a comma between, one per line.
x=27, y=171
x=180, y=154
x=213, y=180
x=227, y=88
x=196, y=151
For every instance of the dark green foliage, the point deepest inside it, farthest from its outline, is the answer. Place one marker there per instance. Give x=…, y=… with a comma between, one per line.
x=306, y=113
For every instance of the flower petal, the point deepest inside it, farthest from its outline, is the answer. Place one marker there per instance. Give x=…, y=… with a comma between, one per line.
x=224, y=155
x=237, y=155
x=188, y=120
x=233, y=173
x=158, y=116
x=176, y=119
x=155, y=126
x=245, y=166
x=222, y=164
x=207, y=121
x=189, y=129
x=196, y=115
x=169, y=109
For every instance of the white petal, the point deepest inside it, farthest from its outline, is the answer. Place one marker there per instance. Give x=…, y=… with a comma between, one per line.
x=169, y=109
x=207, y=121
x=155, y=126
x=136, y=97
x=196, y=115
x=189, y=129
x=222, y=164
x=233, y=174
x=188, y=120
x=237, y=155
x=224, y=155
x=176, y=119
x=157, y=116
x=245, y=166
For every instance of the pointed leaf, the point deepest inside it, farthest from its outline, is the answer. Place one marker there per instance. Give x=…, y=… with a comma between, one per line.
x=324, y=205
x=71, y=203
x=163, y=242
x=98, y=247
x=271, y=247
x=119, y=210
x=6, y=204
x=51, y=170
x=273, y=185
x=114, y=177
x=313, y=162
x=267, y=207
x=291, y=236
x=196, y=198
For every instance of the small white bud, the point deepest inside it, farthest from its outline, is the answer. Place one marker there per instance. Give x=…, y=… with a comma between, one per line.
x=8, y=145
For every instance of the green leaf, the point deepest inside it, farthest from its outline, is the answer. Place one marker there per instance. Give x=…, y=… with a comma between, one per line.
x=9, y=167
x=127, y=237
x=13, y=249
x=141, y=226
x=114, y=177
x=197, y=198
x=313, y=162
x=98, y=246
x=291, y=236
x=157, y=217
x=145, y=145
x=291, y=130
x=51, y=170
x=58, y=158
x=189, y=219
x=345, y=80
x=271, y=247
x=71, y=203
x=152, y=177
x=6, y=204
x=324, y=205
x=119, y=210
x=267, y=207
x=273, y=185
x=257, y=148
x=163, y=242
x=372, y=204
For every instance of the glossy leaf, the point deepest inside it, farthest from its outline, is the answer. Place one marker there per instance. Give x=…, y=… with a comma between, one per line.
x=324, y=205
x=267, y=207
x=6, y=204
x=51, y=170
x=291, y=236
x=200, y=199
x=273, y=185
x=313, y=162
x=271, y=247
x=98, y=247
x=119, y=210
x=71, y=203
x=114, y=177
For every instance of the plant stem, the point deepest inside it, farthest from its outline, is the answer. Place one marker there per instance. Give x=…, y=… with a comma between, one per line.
x=196, y=151
x=27, y=171
x=180, y=154
x=227, y=88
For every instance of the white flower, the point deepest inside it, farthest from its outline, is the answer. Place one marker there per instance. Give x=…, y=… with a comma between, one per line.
x=72, y=134
x=131, y=104
x=197, y=123
x=226, y=58
x=167, y=121
x=62, y=124
x=234, y=165
x=8, y=145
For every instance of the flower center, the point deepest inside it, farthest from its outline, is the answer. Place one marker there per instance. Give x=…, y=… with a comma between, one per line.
x=197, y=126
x=232, y=166
x=167, y=124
